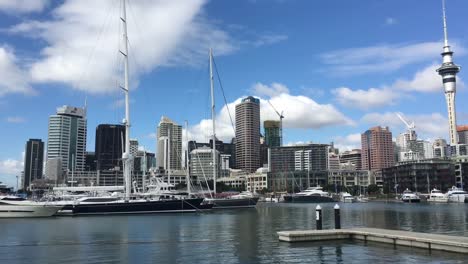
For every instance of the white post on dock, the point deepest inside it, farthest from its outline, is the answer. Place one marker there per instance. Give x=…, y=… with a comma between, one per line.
x=318, y=217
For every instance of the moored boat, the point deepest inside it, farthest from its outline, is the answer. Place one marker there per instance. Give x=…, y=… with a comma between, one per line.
x=311, y=195
x=12, y=208
x=436, y=196
x=457, y=195
x=410, y=197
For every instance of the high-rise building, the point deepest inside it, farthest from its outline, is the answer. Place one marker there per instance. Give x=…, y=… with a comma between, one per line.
x=272, y=133
x=333, y=161
x=33, y=162
x=462, y=134
x=439, y=148
x=248, y=134
x=377, y=149
x=134, y=147
x=169, y=136
x=109, y=146
x=448, y=70
x=353, y=157
x=67, y=137
x=201, y=164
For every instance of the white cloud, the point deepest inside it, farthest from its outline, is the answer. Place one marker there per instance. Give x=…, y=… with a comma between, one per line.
x=300, y=112
x=15, y=119
x=23, y=6
x=390, y=21
x=11, y=167
x=382, y=58
x=269, y=39
x=260, y=89
x=348, y=142
x=430, y=126
x=83, y=38
x=14, y=79
x=365, y=99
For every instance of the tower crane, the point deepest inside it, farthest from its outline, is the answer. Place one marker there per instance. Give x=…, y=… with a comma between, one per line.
x=411, y=127
x=280, y=115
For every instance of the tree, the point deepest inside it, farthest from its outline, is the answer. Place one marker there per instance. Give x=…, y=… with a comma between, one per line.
x=373, y=189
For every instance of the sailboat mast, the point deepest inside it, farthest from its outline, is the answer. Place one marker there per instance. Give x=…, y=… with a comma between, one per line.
x=126, y=157
x=187, y=161
x=213, y=119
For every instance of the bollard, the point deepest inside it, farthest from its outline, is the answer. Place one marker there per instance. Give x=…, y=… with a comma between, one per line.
x=318, y=217
x=337, y=217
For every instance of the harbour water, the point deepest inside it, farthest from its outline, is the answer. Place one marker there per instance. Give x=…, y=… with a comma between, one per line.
x=228, y=236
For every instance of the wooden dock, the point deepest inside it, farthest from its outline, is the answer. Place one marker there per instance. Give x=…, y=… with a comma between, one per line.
x=395, y=237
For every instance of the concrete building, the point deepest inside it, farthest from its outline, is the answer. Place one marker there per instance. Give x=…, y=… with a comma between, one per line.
x=349, y=179
x=67, y=137
x=258, y=181
x=201, y=164
x=169, y=135
x=353, y=157
x=134, y=147
x=333, y=161
x=272, y=133
x=109, y=146
x=33, y=162
x=377, y=149
x=439, y=148
x=53, y=170
x=226, y=149
x=248, y=134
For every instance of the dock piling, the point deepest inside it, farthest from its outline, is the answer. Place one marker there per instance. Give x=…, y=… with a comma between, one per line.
x=318, y=217
x=337, y=216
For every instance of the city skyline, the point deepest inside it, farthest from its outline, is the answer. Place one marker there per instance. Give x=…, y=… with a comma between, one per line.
x=397, y=55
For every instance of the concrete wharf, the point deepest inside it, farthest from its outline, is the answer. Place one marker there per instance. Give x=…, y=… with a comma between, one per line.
x=397, y=238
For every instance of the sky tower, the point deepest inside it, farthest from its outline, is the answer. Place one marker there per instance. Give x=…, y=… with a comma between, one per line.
x=448, y=70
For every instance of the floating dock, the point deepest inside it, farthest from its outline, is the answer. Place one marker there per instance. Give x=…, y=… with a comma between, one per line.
x=398, y=238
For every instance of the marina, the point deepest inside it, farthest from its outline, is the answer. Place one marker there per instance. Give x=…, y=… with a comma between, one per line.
x=240, y=236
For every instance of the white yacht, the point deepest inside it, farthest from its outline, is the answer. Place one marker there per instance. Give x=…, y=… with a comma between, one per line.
x=410, y=197
x=17, y=207
x=311, y=195
x=346, y=197
x=437, y=196
x=457, y=195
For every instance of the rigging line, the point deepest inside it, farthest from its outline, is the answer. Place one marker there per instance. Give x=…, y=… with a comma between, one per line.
x=224, y=96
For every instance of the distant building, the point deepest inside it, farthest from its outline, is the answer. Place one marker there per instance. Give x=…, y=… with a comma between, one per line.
x=377, y=149
x=248, y=134
x=257, y=181
x=90, y=161
x=169, y=146
x=333, y=161
x=109, y=146
x=350, y=178
x=353, y=157
x=67, y=137
x=226, y=149
x=133, y=147
x=54, y=170
x=33, y=162
x=439, y=148
x=272, y=133
x=462, y=134
x=201, y=164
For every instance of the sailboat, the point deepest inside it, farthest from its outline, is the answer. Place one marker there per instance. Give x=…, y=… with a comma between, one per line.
x=235, y=201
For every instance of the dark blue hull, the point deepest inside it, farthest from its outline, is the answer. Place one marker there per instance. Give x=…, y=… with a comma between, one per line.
x=138, y=207
x=307, y=199
x=226, y=203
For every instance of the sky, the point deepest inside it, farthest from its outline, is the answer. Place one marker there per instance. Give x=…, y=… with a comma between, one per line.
x=335, y=68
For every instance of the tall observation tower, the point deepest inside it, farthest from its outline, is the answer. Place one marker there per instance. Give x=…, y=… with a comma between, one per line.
x=448, y=70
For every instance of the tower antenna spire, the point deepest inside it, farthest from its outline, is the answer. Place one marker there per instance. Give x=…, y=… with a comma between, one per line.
x=446, y=45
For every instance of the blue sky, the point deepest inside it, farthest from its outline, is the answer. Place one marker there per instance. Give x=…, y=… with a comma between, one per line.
x=335, y=68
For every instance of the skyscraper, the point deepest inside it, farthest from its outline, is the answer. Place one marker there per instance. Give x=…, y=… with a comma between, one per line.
x=448, y=70
x=33, y=160
x=377, y=149
x=462, y=134
x=109, y=146
x=133, y=147
x=248, y=134
x=272, y=133
x=169, y=137
x=67, y=137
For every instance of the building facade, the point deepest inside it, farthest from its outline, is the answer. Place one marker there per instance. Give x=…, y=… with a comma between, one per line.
x=33, y=162
x=67, y=137
x=272, y=133
x=377, y=149
x=353, y=157
x=201, y=164
x=109, y=146
x=462, y=134
x=248, y=134
x=169, y=146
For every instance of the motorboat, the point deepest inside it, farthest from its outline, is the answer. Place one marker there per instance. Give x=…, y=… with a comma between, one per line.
x=15, y=207
x=310, y=195
x=410, y=197
x=362, y=199
x=346, y=197
x=457, y=195
x=244, y=199
x=436, y=196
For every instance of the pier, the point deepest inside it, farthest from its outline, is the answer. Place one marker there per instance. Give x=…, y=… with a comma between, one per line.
x=397, y=238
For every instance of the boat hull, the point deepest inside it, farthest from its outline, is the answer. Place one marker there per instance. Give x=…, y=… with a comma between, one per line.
x=22, y=211
x=460, y=198
x=138, y=207
x=307, y=199
x=227, y=203
x=411, y=200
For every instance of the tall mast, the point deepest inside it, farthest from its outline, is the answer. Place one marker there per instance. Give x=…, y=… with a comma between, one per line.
x=187, y=160
x=213, y=119
x=126, y=157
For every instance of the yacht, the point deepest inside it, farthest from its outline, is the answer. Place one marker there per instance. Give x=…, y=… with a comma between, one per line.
x=346, y=197
x=18, y=207
x=244, y=199
x=410, y=197
x=436, y=196
x=311, y=195
x=457, y=195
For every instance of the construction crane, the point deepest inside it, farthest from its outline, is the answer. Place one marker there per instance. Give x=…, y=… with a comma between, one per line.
x=280, y=115
x=411, y=127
